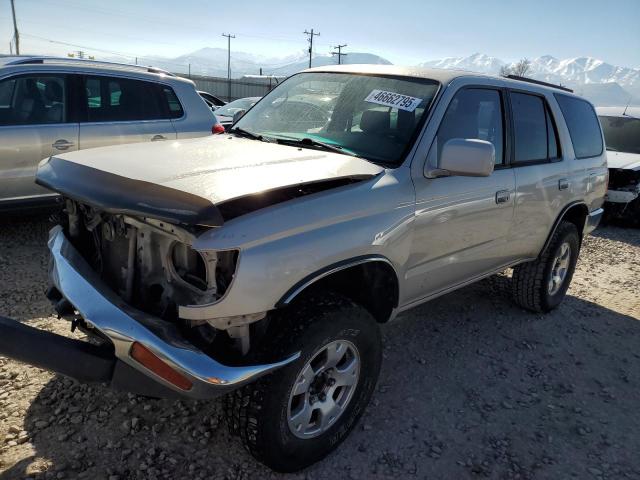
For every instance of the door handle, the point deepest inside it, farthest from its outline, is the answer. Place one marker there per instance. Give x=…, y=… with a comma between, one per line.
x=155, y=138
x=563, y=184
x=503, y=196
x=62, y=144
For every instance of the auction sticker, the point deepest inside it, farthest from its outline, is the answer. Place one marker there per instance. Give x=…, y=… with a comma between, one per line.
x=396, y=100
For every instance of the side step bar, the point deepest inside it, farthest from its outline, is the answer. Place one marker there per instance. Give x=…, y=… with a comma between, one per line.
x=72, y=358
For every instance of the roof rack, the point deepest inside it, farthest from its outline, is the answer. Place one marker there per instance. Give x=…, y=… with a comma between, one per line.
x=539, y=82
x=42, y=60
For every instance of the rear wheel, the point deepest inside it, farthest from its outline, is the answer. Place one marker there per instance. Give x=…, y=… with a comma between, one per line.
x=541, y=285
x=297, y=415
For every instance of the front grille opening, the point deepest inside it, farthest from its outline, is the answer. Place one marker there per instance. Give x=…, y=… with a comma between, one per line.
x=189, y=265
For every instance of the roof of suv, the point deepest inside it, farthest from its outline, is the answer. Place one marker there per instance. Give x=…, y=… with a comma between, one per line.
x=441, y=75
x=80, y=64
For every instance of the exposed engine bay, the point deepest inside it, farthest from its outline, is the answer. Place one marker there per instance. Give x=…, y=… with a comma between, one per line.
x=150, y=264
x=623, y=194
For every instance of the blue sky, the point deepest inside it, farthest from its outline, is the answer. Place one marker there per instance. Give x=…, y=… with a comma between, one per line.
x=403, y=31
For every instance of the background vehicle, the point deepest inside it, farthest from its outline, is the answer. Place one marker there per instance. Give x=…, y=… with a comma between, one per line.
x=51, y=105
x=225, y=114
x=211, y=99
x=621, y=128
x=260, y=264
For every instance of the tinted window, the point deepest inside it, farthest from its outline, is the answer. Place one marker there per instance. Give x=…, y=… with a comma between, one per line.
x=474, y=113
x=621, y=134
x=583, y=126
x=530, y=127
x=33, y=100
x=120, y=99
x=173, y=104
x=534, y=130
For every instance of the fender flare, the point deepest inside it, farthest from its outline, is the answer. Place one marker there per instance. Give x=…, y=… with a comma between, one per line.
x=560, y=219
x=312, y=278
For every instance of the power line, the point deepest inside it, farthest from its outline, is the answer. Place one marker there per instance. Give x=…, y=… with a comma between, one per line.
x=16, y=35
x=339, y=52
x=229, y=37
x=310, y=40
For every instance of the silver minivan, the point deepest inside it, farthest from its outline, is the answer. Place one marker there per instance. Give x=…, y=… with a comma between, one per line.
x=51, y=105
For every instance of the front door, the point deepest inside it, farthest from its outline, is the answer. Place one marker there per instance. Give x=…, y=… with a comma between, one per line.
x=34, y=124
x=462, y=224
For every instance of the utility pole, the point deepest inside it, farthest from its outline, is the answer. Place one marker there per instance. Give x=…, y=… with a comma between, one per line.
x=16, y=35
x=311, y=35
x=229, y=37
x=339, y=52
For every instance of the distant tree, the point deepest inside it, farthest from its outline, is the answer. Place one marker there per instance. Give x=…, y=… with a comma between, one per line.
x=505, y=71
x=520, y=69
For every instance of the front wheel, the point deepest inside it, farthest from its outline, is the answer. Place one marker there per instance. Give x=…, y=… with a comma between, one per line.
x=297, y=415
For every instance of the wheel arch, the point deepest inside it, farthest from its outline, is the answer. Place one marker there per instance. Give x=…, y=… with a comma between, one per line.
x=576, y=213
x=369, y=280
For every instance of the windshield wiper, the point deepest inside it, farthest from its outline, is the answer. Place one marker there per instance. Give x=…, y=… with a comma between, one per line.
x=310, y=142
x=246, y=133
x=611, y=149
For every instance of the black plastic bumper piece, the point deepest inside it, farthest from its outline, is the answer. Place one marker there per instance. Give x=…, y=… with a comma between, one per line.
x=72, y=358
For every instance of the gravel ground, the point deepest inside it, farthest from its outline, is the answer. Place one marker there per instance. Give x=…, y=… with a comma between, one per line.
x=471, y=386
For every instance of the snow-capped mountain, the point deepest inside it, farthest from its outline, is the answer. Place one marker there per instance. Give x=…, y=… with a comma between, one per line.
x=478, y=62
x=601, y=82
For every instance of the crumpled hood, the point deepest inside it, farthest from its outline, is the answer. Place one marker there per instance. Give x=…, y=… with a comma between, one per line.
x=183, y=181
x=221, y=167
x=630, y=161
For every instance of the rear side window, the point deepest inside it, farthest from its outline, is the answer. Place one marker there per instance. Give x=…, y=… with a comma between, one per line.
x=111, y=99
x=474, y=113
x=172, y=103
x=534, y=131
x=583, y=126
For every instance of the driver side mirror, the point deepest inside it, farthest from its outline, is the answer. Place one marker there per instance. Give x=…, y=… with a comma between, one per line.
x=466, y=157
x=238, y=115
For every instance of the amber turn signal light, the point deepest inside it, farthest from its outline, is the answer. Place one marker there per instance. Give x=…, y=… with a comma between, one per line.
x=150, y=360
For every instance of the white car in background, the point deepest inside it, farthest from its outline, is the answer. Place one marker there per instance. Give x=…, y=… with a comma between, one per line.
x=225, y=114
x=621, y=127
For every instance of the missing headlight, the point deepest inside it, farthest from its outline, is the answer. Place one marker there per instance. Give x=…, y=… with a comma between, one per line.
x=189, y=265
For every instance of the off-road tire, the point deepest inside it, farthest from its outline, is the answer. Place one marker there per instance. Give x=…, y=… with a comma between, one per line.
x=530, y=280
x=257, y=413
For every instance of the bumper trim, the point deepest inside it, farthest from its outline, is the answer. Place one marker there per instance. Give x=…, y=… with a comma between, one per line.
x=73, y=358
x=593, y=220
x=104, y=310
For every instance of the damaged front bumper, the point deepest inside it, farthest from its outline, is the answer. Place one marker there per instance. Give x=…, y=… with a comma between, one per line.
x=129, y=329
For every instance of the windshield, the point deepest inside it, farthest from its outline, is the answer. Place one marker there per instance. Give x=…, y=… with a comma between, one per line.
x=621, y=134
x=375, y=117
x=230, y=109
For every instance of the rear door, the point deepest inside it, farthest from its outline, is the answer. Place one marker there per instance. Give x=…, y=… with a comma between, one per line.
x=589, y=164
x=544, y=185
x=36, y=121
x=124, y=110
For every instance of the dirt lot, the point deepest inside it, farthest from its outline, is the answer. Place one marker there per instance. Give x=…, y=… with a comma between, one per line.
x=471, y=386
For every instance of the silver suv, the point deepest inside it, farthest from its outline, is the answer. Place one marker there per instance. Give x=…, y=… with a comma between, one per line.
x=260, y=263
x=51, y=105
